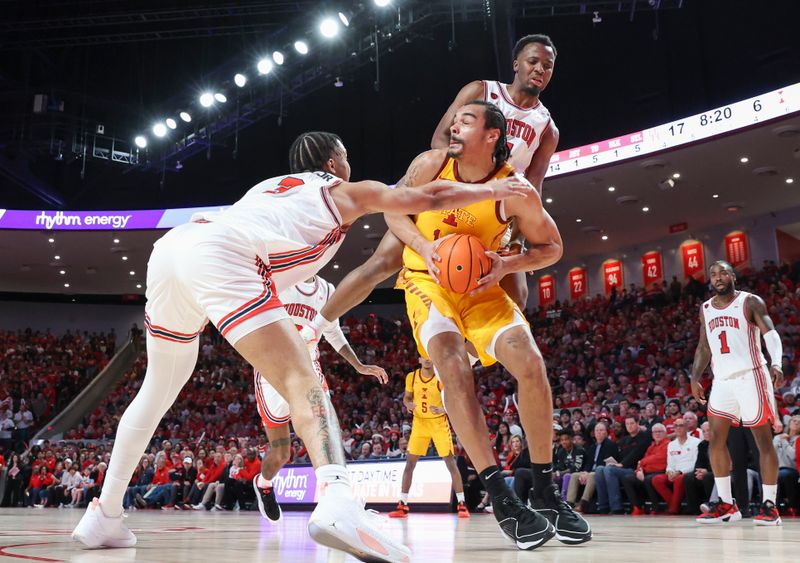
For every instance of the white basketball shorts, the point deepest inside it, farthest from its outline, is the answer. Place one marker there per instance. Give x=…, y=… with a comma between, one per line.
x=272, y=407
x=205, y=271
x=746, y=398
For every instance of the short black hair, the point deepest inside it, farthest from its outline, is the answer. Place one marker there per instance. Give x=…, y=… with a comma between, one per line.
x=493, y=118
x=724, y=264
x=566, y=432
x=311, y=150
x=534, y=38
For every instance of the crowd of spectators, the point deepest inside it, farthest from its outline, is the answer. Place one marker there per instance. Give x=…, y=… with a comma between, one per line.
x=618, y=368
x=40, y=373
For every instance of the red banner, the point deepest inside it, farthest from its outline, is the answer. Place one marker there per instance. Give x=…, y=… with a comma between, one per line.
x=547, y=290
x=612, y=276
x=578, y=284
x=694, y=264
x=737, y=250
x=652, y=270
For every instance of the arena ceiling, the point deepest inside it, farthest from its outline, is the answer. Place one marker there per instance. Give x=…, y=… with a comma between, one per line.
x=124, y=65
x=93, y=263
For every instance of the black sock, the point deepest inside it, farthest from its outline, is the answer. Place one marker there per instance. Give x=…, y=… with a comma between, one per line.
x=492, y=479
x=542, y=477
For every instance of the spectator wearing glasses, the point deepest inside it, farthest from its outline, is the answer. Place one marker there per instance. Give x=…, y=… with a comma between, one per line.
x=681, y=459
x=595, y=457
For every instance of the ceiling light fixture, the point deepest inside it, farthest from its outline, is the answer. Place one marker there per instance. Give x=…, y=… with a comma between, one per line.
x=206, y=99
x=328, y=28
x=264, y=66
x=744, y=160
x=301, y=47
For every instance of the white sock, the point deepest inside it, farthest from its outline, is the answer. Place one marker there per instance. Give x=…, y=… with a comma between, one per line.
x=724, y=489
x=404, y=498
x=460, y=496
x=263, y=483
x=335, y=479
x=169, y=367
x=769, y=492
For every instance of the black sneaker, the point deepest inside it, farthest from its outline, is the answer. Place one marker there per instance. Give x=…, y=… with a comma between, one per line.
x=570, y=526
x=523, y=526
x=267, y=503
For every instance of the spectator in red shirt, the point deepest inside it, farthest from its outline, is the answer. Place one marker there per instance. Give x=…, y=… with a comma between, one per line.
x=653, y=463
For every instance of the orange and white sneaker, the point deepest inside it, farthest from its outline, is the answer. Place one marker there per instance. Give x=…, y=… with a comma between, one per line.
x=768, y=515
x=98, y=530
x=401, y=511
x=340, y=522
x=720, y=512
x=462, y=510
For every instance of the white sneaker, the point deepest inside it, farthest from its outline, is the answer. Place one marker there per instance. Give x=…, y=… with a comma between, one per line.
x=198, y=506
x=98, y=530
x=340, y=522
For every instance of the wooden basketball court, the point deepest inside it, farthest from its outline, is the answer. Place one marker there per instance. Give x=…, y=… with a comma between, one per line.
x=43, y=535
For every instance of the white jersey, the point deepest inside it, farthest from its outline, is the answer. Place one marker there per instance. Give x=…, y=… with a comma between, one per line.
x=682, y=457
x=734, y=341
x=524, y=127
x=291, y=223
x=304, y=301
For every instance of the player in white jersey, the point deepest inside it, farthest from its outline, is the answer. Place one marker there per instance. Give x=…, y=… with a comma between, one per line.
x=303, y=302
x=532, y=137
x=227, y=268
x=732, y=324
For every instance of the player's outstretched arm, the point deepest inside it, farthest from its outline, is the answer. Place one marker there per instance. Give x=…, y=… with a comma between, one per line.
x=336, y=338
x=471, y=92
x=702, y=357
x=758, y=314
x=362, y=198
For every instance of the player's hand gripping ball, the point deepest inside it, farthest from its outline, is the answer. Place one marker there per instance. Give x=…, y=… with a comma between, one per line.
x=463, y=263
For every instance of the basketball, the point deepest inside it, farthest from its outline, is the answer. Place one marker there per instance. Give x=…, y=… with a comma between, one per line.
x=464, y=262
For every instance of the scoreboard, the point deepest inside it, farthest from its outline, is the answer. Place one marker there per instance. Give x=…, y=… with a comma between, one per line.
x=718, y=121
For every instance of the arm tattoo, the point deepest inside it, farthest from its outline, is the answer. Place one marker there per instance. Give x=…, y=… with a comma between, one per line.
x=327, y=427
x=280, y=442
x=412, y=174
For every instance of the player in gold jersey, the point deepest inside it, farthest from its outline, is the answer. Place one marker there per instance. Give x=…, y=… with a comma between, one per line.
x=423, y=398
x=488, y=318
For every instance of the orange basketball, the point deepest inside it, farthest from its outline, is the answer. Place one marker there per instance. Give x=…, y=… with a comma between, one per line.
x=464, y=262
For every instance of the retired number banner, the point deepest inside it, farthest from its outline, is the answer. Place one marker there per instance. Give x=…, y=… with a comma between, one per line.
x=652, y=270
x=547, y=290
x=612, y=275
x=694, y=265
x=578, y=285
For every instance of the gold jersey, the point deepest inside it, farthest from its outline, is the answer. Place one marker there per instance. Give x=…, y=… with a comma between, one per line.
x=484, y=219
x=426, y=392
